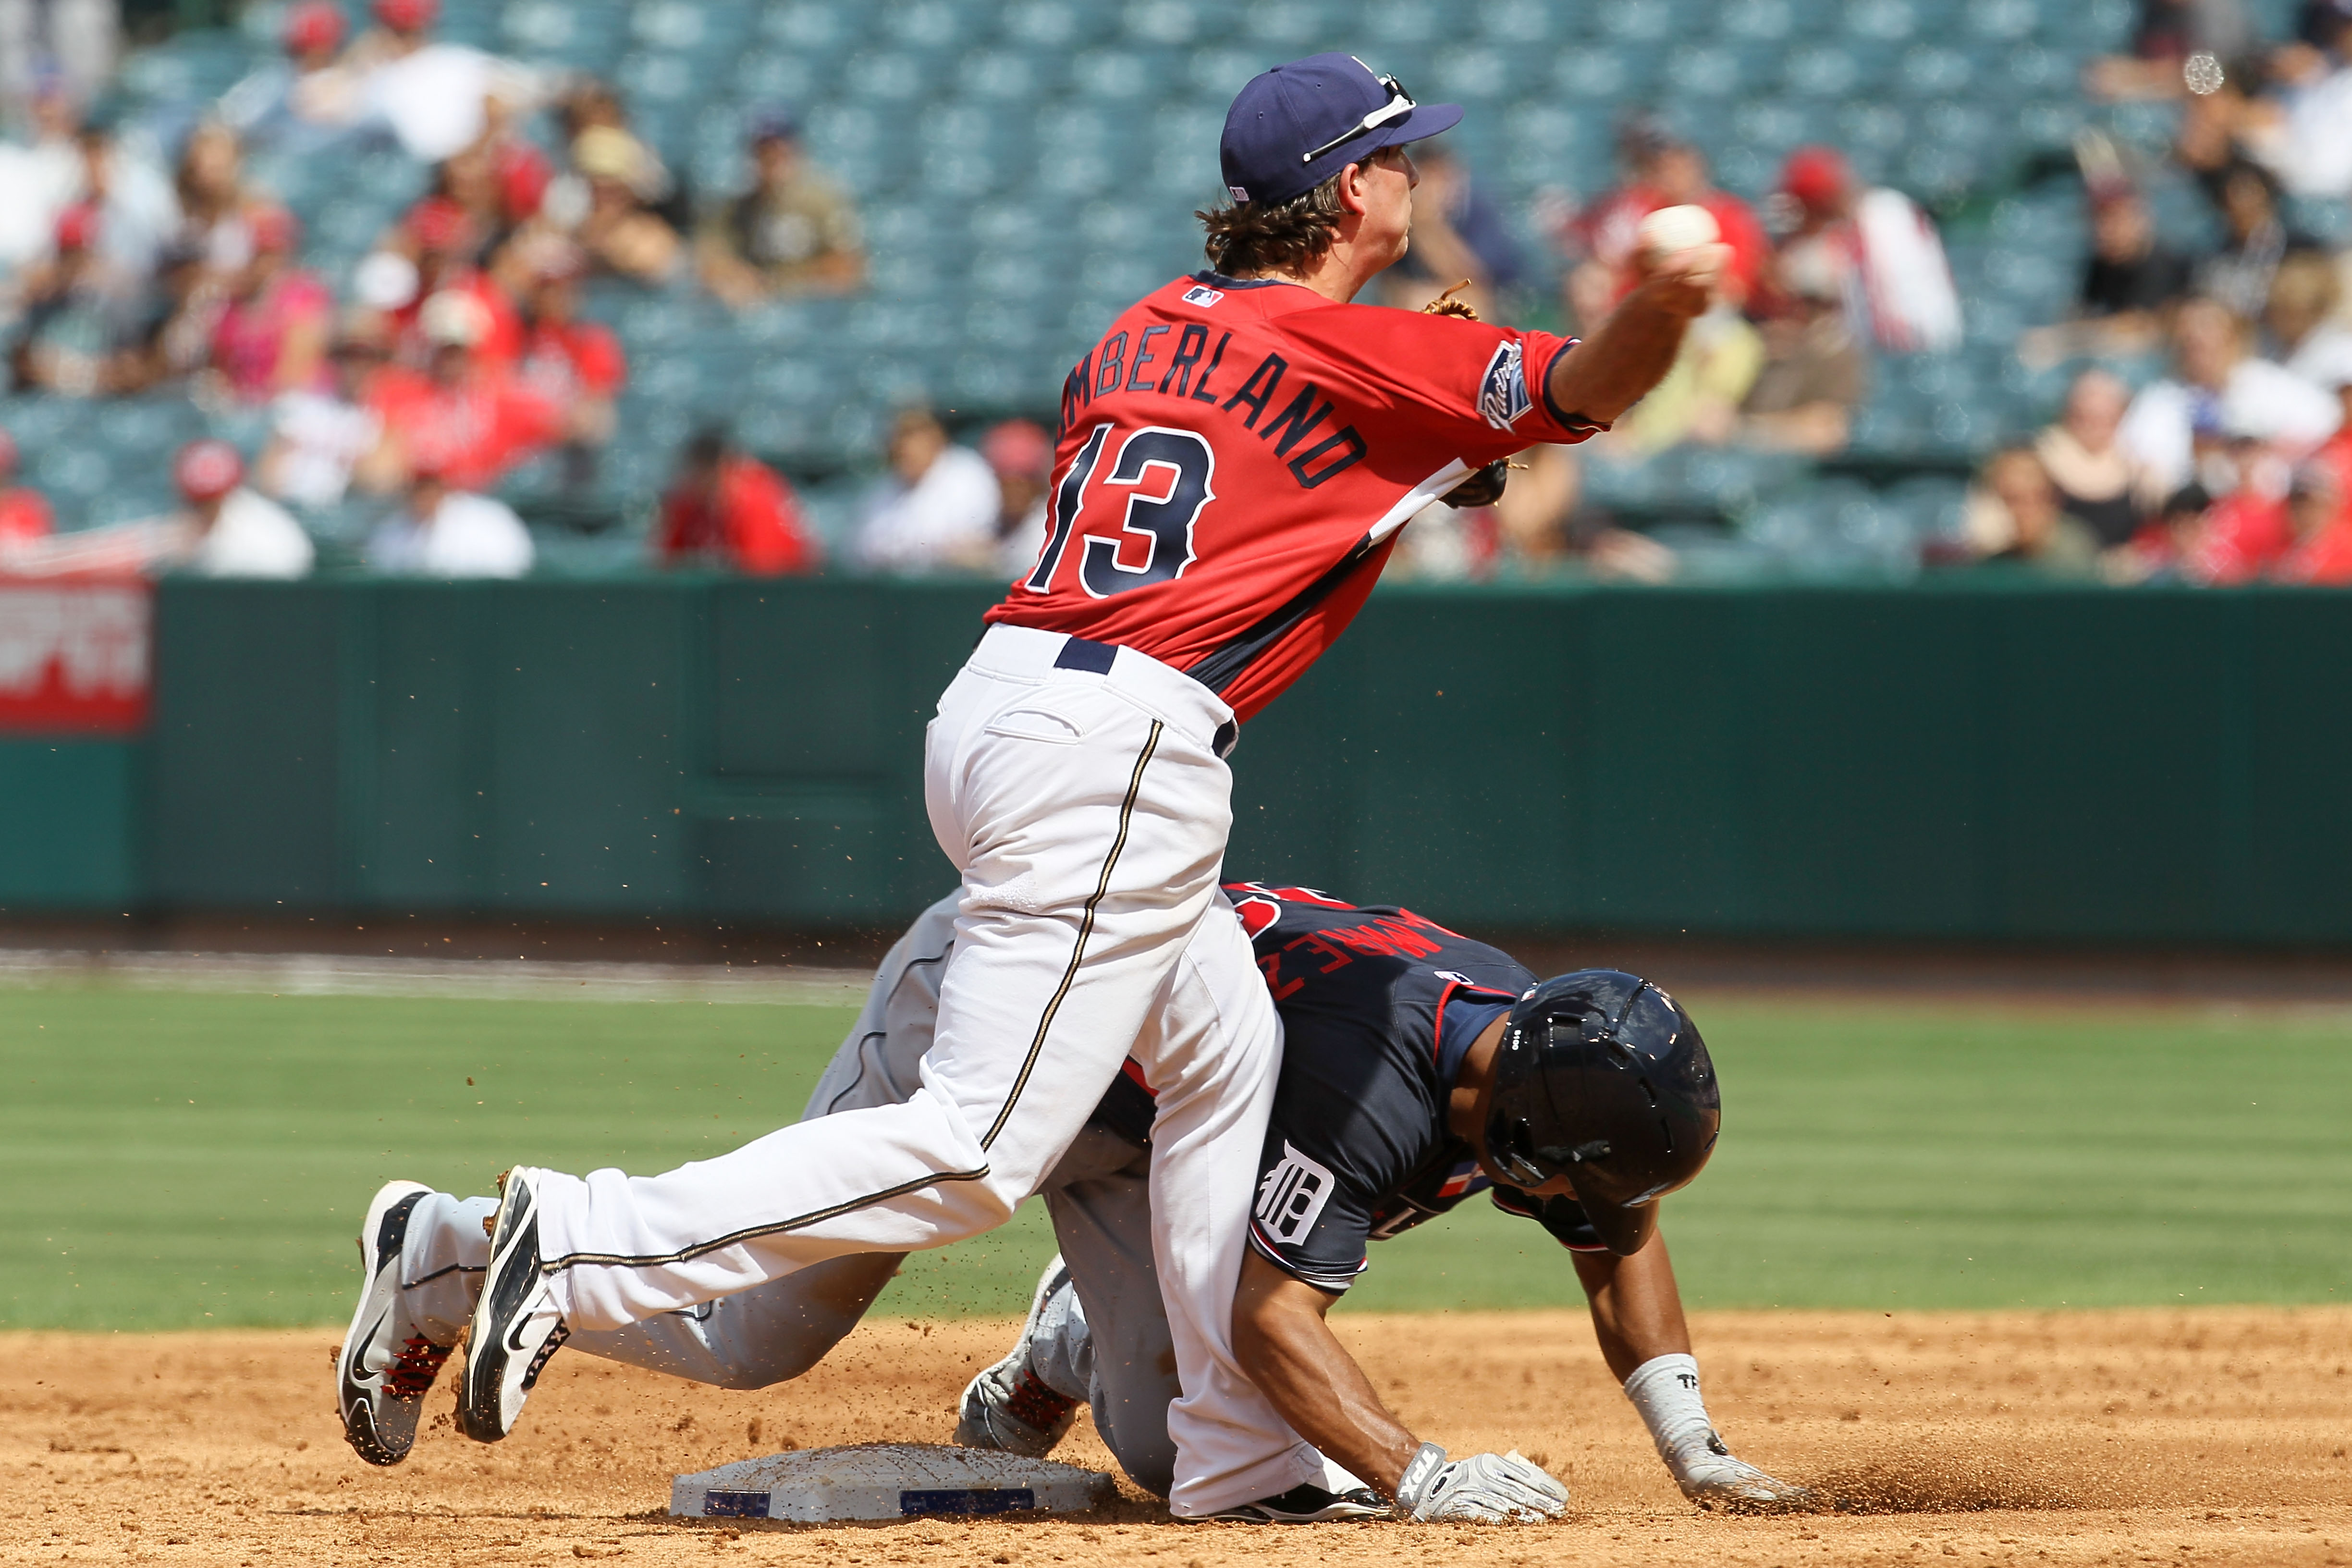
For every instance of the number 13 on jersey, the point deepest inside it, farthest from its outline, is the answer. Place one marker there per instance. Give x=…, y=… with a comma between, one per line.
x=1158, y=484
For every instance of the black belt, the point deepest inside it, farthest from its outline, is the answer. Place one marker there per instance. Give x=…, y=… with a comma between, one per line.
x=1094, y=658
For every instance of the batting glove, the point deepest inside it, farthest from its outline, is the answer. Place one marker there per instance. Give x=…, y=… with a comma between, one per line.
x=1485, y=1489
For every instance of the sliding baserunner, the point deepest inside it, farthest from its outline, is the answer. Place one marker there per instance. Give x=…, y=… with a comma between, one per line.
x=1237, y=454
x=1395, y=1041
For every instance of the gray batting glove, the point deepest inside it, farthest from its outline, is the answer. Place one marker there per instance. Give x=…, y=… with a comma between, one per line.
x=1485, y=1489
x=1714, y=1480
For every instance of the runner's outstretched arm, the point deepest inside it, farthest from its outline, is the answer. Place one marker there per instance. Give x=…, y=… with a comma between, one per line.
x=1637, y=1311
x=1283, y=1342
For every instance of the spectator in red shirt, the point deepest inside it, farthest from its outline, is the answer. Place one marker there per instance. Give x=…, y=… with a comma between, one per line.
x=434, y=251
x=1661, y=171
x=578, y=365
x=2320, y=508
x=24, y=510
x=468, y=419
x=272, y=333
x=1884, y=250
x=2246, y=531
x=1022, y=455
x=2337, y=452
x=732, y=512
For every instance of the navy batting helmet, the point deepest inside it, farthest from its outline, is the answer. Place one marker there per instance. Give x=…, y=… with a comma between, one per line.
x=1601, y=1077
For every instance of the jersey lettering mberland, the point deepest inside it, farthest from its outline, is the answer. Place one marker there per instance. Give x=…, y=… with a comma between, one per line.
x=1236, y=459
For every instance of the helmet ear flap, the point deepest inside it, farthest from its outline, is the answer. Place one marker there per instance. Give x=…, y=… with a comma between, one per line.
x=1510, y=1140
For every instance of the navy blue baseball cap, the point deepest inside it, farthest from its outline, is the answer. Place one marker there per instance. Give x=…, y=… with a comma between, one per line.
x=1294, y=127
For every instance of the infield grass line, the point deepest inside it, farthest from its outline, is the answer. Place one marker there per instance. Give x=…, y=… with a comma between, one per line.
x=197, y=1159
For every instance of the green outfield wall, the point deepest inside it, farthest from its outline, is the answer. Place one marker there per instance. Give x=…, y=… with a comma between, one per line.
x=1975, y=760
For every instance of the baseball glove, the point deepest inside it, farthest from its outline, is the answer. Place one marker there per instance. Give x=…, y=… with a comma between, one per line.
x=1446, y=304
x=1484, y=486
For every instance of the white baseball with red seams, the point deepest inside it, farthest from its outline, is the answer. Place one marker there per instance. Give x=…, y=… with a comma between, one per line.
x=1670, y=229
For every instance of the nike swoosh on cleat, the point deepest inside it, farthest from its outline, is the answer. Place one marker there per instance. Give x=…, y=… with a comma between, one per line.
x=359, y=1372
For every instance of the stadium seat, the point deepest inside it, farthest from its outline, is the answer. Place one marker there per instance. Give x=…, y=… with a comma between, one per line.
x=582, y=36
x=1710, y=70
x=1607, y=73
x=1059, y=24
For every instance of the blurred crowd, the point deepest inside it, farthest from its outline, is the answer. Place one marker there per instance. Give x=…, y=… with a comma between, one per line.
x=455, y=353
x=1830, y=272
x=2205, y=434
x=2227, y=458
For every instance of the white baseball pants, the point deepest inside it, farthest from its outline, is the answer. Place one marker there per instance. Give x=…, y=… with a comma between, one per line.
x=1087, y=810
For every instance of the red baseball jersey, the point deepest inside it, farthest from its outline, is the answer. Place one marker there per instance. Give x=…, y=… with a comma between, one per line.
x=1236, y=459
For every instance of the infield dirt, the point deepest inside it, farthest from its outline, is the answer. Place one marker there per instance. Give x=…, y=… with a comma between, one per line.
x=2215, y=1435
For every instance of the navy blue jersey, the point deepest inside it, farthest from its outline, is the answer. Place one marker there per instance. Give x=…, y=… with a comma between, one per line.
x=1379, y=1006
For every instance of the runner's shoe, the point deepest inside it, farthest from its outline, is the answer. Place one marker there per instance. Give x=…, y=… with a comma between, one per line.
x=1007, y=1406
x=515, y=1327
x=384, y=1365
x=1310, y=1504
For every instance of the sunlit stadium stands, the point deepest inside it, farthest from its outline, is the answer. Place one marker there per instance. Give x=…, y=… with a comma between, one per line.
x=1026, y=167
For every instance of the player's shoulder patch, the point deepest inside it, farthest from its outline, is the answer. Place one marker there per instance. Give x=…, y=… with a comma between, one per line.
x=1290, y=1198
x=1203, y=295
x=1503, y=393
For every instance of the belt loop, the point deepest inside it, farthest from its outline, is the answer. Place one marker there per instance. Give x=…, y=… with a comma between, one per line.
x=1084, y=653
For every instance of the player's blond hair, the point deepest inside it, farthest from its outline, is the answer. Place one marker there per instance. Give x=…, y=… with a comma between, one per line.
x=1283, y=237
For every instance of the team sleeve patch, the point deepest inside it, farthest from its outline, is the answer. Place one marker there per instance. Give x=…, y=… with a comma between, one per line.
x=1503, y=397
x=1291, y=1196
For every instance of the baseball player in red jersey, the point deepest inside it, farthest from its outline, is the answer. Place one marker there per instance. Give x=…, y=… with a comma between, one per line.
x=1238, y=454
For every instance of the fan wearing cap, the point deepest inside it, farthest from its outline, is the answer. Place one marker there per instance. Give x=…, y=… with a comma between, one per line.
x=271, y=336
x=1879, y=240
x=1022, y=456
x=433, y=96
x=308, y=98
x=470, y=421
x=228, y=528
x=81, y=329
x=620, y=230
x=793, y=232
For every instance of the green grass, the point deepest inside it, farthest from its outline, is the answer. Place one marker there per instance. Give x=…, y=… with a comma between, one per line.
x=190, y=1160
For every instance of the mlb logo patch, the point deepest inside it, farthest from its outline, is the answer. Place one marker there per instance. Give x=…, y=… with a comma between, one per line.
x=1503, y=393
x=1291, y=1197
x=1201, y=294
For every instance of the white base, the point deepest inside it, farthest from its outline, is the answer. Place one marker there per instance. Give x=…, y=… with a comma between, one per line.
x=886, y=1481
